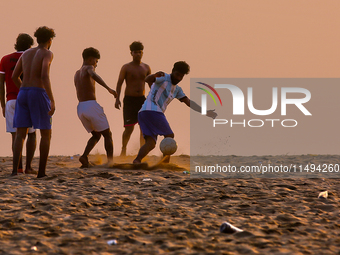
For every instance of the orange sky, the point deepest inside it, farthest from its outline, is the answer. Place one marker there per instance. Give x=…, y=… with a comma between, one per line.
x=265, y=38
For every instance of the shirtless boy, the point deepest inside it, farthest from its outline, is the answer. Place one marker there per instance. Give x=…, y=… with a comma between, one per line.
x=134, y=74
x=35, y=103
x=90, y=113
x=7, y=64
x=151, y=116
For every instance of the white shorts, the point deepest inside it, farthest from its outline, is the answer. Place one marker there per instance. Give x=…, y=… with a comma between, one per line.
x=92, y=116
x=9, y=113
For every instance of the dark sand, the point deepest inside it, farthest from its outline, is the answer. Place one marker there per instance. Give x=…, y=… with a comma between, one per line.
x=77, y=211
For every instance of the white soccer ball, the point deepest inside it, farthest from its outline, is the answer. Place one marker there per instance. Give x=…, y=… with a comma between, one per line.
x=168, y=146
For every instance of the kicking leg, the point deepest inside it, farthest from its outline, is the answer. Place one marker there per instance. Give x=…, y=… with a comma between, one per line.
x=149, y=145
x=17, y=148
x=126, y=137
x=166, y=158
x=31, y=145
x=90, y=145
x=141, y=139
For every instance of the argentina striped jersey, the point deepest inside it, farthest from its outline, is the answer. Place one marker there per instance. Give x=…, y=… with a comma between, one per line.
x=162, y=92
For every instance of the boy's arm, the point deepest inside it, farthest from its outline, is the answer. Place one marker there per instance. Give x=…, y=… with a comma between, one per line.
x=120, y=81
x=149, y=70
x=17, y=72
x=196, y=107
x=100, y=81
x=2, y=93
x=147, y=74
x=45, y=77
x=150, y=79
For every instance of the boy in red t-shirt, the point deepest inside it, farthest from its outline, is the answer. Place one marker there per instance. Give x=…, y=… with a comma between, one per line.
x=7, y=64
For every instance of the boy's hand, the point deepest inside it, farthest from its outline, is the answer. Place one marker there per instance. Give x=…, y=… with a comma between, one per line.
x=159, y=74
x=51, y=112
x=118, y=104
x=113, y=92
x=212, y=114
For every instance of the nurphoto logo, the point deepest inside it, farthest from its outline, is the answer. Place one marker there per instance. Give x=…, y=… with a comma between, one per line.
x=238, y=106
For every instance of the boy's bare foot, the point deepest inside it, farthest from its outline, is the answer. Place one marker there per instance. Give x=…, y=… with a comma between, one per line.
x=30, y=171
x=110, y=162
x=137, y=161
x=123, y=153
x=41, y=175
x=84, y=162
x=137, y=164
x=166, y=159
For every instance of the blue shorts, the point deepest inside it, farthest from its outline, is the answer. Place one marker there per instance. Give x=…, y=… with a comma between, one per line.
x=31, y=109
x=153, y=123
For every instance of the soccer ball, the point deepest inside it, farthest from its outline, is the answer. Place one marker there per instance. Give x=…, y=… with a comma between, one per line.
x=168, y=146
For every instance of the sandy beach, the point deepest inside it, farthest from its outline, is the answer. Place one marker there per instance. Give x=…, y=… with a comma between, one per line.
x=104, y=210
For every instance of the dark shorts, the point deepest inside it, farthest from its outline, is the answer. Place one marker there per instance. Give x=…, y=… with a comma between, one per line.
x=153, y=123
x=131, y=107
x=31, y=109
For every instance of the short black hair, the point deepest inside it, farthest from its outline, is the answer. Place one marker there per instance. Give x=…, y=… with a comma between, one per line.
x=182, y=67
x=136, y=45
x=91, y=52
x=24, y=42
x=43, y=34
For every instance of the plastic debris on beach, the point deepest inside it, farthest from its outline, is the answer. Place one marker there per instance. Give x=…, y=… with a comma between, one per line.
x=186, y=172
x=34, y=248
x=112, y=242
x=323, y=194
x=147, y=180
x=67, y=217
x=229, y=229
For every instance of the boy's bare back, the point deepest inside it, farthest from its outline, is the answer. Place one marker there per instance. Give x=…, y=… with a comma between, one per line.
x=84, y=83
x=35, y=67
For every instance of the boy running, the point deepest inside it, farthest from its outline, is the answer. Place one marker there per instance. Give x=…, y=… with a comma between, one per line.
x=90, y=113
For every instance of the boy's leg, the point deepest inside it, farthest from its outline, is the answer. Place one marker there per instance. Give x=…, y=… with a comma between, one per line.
x=141, y=139
x=108, y=143
x=31, y=145
x=44, y=149
x=166, y=158
x=20, y=161
x=90, y=145
x=149, y=145
x=126, y=137
x=17, y=148
x=9, y=115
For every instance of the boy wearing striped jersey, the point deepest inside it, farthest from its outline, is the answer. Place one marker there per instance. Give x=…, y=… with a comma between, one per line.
x=151, y=117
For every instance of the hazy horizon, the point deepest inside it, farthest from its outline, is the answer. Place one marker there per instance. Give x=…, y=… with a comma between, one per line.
x=226, y=39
